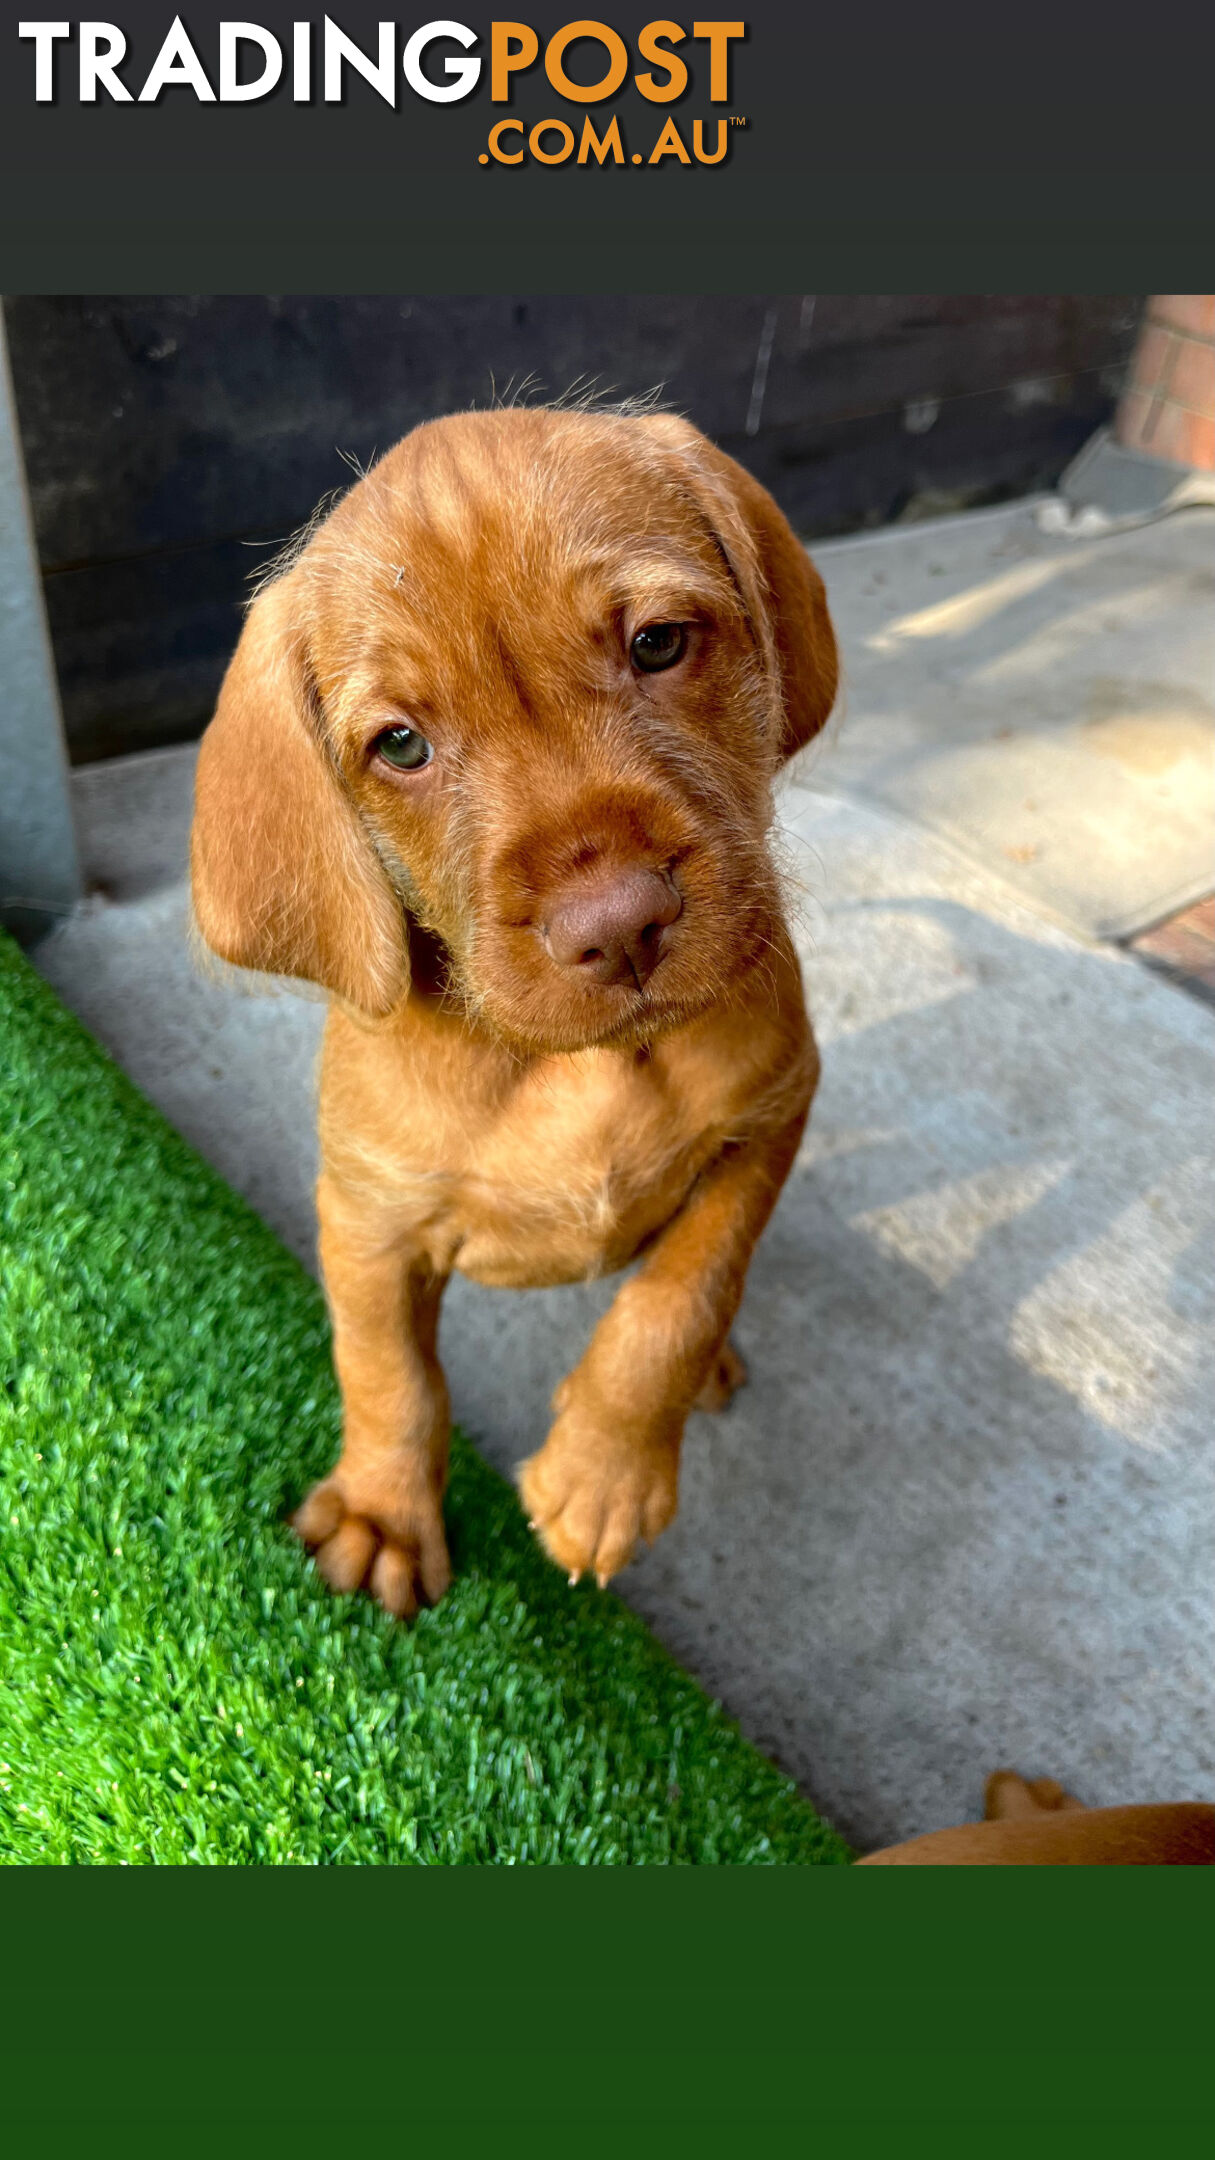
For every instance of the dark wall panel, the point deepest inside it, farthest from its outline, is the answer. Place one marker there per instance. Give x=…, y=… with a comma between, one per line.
x=172, y=444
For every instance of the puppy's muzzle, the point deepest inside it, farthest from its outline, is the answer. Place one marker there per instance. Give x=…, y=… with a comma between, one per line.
x=612, y=927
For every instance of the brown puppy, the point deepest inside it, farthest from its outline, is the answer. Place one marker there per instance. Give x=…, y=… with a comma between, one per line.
x=493, y=764
x=1036, y=1824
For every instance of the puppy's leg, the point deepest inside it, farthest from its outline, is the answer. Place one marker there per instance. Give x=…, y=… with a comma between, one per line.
x=726, y=1373
x=607, y=1475
x=378, y=1517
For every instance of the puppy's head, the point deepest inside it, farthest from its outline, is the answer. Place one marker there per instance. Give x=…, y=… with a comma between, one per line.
x=527, y=687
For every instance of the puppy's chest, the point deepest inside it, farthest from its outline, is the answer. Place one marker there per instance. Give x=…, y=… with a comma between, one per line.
x=566, y=1180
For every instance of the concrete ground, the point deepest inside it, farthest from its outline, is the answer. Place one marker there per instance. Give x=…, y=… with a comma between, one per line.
x=962, y=1516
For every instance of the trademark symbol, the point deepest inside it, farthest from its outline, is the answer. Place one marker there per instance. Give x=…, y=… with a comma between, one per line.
x=738, y=120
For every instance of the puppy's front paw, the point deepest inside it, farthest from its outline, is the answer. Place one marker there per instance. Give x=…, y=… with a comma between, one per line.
x=591, y=1496
x=361, y=1537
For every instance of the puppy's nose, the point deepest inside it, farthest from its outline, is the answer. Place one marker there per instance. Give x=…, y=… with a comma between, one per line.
x=611, y=928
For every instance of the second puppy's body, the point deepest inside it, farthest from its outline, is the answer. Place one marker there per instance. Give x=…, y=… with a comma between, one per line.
x=493, y=764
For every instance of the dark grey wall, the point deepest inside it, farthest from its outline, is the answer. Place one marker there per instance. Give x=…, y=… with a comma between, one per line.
x=171, y=444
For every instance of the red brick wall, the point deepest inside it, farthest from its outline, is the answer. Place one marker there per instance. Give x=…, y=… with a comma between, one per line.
x=1168, y=407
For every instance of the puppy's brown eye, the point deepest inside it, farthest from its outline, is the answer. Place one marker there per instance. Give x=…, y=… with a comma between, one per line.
x=658, y=646
x=403, y=748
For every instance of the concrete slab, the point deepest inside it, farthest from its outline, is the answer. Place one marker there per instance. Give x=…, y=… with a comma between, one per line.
x=1044, y=704
x=963, y=1514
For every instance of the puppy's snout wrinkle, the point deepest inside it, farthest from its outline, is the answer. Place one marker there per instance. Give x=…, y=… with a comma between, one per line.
x=612, y=927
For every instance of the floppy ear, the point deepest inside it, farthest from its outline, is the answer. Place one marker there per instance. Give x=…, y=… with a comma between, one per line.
x=781, y=589
x=285, y=877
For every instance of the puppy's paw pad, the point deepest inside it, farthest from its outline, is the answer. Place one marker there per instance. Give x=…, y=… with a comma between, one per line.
x=400, y=1556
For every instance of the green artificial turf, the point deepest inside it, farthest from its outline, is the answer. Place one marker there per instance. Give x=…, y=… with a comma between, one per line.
x=176, y=1684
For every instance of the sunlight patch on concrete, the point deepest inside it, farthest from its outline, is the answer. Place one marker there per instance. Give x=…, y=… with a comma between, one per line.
x=965, y=611
x=1045, y=706
x=942, y=1231
x=1109, y=1324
